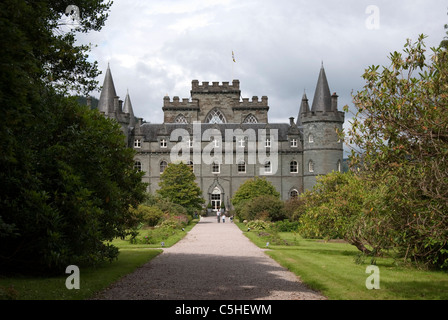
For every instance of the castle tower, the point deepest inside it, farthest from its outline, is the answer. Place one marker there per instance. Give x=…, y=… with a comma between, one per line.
x=322, y=148
x=108, y=96
x=112, y=107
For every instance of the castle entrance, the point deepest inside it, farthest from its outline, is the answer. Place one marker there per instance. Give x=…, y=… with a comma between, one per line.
x=216, y=199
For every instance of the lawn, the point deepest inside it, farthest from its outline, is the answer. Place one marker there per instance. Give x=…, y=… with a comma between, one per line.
x=336, y=271
x=92, y=280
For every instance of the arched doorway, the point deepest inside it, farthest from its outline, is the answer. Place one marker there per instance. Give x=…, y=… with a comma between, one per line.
x=215, y=199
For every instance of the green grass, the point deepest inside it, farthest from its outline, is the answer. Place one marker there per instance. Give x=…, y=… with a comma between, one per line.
x=334, y=270
x=173, y=237
x=92, y=280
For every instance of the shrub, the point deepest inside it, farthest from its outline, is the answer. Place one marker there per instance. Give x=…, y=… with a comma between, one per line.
x=258, y=225
x=265, y=207
x=286, y=226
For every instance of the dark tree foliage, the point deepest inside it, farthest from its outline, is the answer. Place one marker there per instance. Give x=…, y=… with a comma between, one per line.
x=67, y=178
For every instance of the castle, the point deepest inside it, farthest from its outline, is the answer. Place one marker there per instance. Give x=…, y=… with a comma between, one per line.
x=227, y=139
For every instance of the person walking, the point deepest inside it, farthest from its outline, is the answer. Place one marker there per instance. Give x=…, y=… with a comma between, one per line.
x=218, y=214
x=223, y=218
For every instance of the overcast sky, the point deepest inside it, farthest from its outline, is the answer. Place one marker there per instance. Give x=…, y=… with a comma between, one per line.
x=156, y=48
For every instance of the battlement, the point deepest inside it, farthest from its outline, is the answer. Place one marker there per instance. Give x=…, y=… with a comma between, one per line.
x=256, y=103
x=177, y=104
x=322, y=116
x=215, y=87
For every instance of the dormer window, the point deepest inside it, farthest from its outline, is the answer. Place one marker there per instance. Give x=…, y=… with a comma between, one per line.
x=163, y=143
x=293, y=143
x=137, y=143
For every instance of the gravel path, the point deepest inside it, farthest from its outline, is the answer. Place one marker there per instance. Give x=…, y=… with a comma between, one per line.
x=214, y=261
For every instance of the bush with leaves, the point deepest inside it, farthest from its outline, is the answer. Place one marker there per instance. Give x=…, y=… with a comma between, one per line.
x=249, y=190
x=401, y=130
x=178, y=185
x=265, y=207
x=343, y=206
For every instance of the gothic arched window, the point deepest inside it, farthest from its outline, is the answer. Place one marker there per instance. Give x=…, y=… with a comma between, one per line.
x=215, y=116
x=293, y=194
x=311, y=166
x=163, y=165
x=181, y=119
x=250, y=119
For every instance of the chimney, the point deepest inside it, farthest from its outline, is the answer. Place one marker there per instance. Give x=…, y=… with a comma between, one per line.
x=334, y=102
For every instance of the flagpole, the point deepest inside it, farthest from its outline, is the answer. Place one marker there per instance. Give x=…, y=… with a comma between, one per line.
x=233, y=62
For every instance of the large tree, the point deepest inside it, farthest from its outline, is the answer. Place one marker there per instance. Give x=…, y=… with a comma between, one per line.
x=67, y=179
x=177, y=184
x=401, y=129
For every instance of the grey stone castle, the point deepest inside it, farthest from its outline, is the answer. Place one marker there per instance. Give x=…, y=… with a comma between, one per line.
x=227, y=139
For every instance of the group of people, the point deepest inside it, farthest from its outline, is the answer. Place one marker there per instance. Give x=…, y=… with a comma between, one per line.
x=221, y=215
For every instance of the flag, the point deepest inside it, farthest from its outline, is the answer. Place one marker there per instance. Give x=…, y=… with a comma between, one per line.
x=233, y=57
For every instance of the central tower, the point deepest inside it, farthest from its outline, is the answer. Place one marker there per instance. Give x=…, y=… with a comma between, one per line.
x=215, y=103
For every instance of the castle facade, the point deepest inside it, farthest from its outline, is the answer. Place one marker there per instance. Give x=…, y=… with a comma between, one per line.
x=227, y=139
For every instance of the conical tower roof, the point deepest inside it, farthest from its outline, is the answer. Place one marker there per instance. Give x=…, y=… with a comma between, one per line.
x=108, y=94
x=322, y=95
x=304, y=108
x=127, y=108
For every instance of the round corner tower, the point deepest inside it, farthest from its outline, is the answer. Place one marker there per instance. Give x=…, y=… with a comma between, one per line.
x=322, y=148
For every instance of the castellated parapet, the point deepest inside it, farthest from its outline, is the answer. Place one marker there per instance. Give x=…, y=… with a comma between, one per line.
x=255, y=104
x=215, y=87
x=177, y=104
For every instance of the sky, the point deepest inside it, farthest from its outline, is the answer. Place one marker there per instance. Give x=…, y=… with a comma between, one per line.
x=156, y=48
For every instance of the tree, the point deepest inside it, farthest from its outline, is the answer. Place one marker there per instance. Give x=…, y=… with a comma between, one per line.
x=67, y=178
x=251, y=189
x=444, y=42
x=177, y=184
x=344, y=206
x=401, y=129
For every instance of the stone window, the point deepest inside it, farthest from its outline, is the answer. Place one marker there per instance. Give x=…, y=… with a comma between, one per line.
x=163, y=165
x=293, y=194
x=311, y=138
x=215, y=167
x=215, y=116
x=267, y=167
x=181, y=119
x=339, y=167
x=137, y=143
x=241, y=166
x=250, y=119
x=311, y=166
x=138, y=166
x=293, y=143
x=163, y=143
x=293, y=167
x=267, y=143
